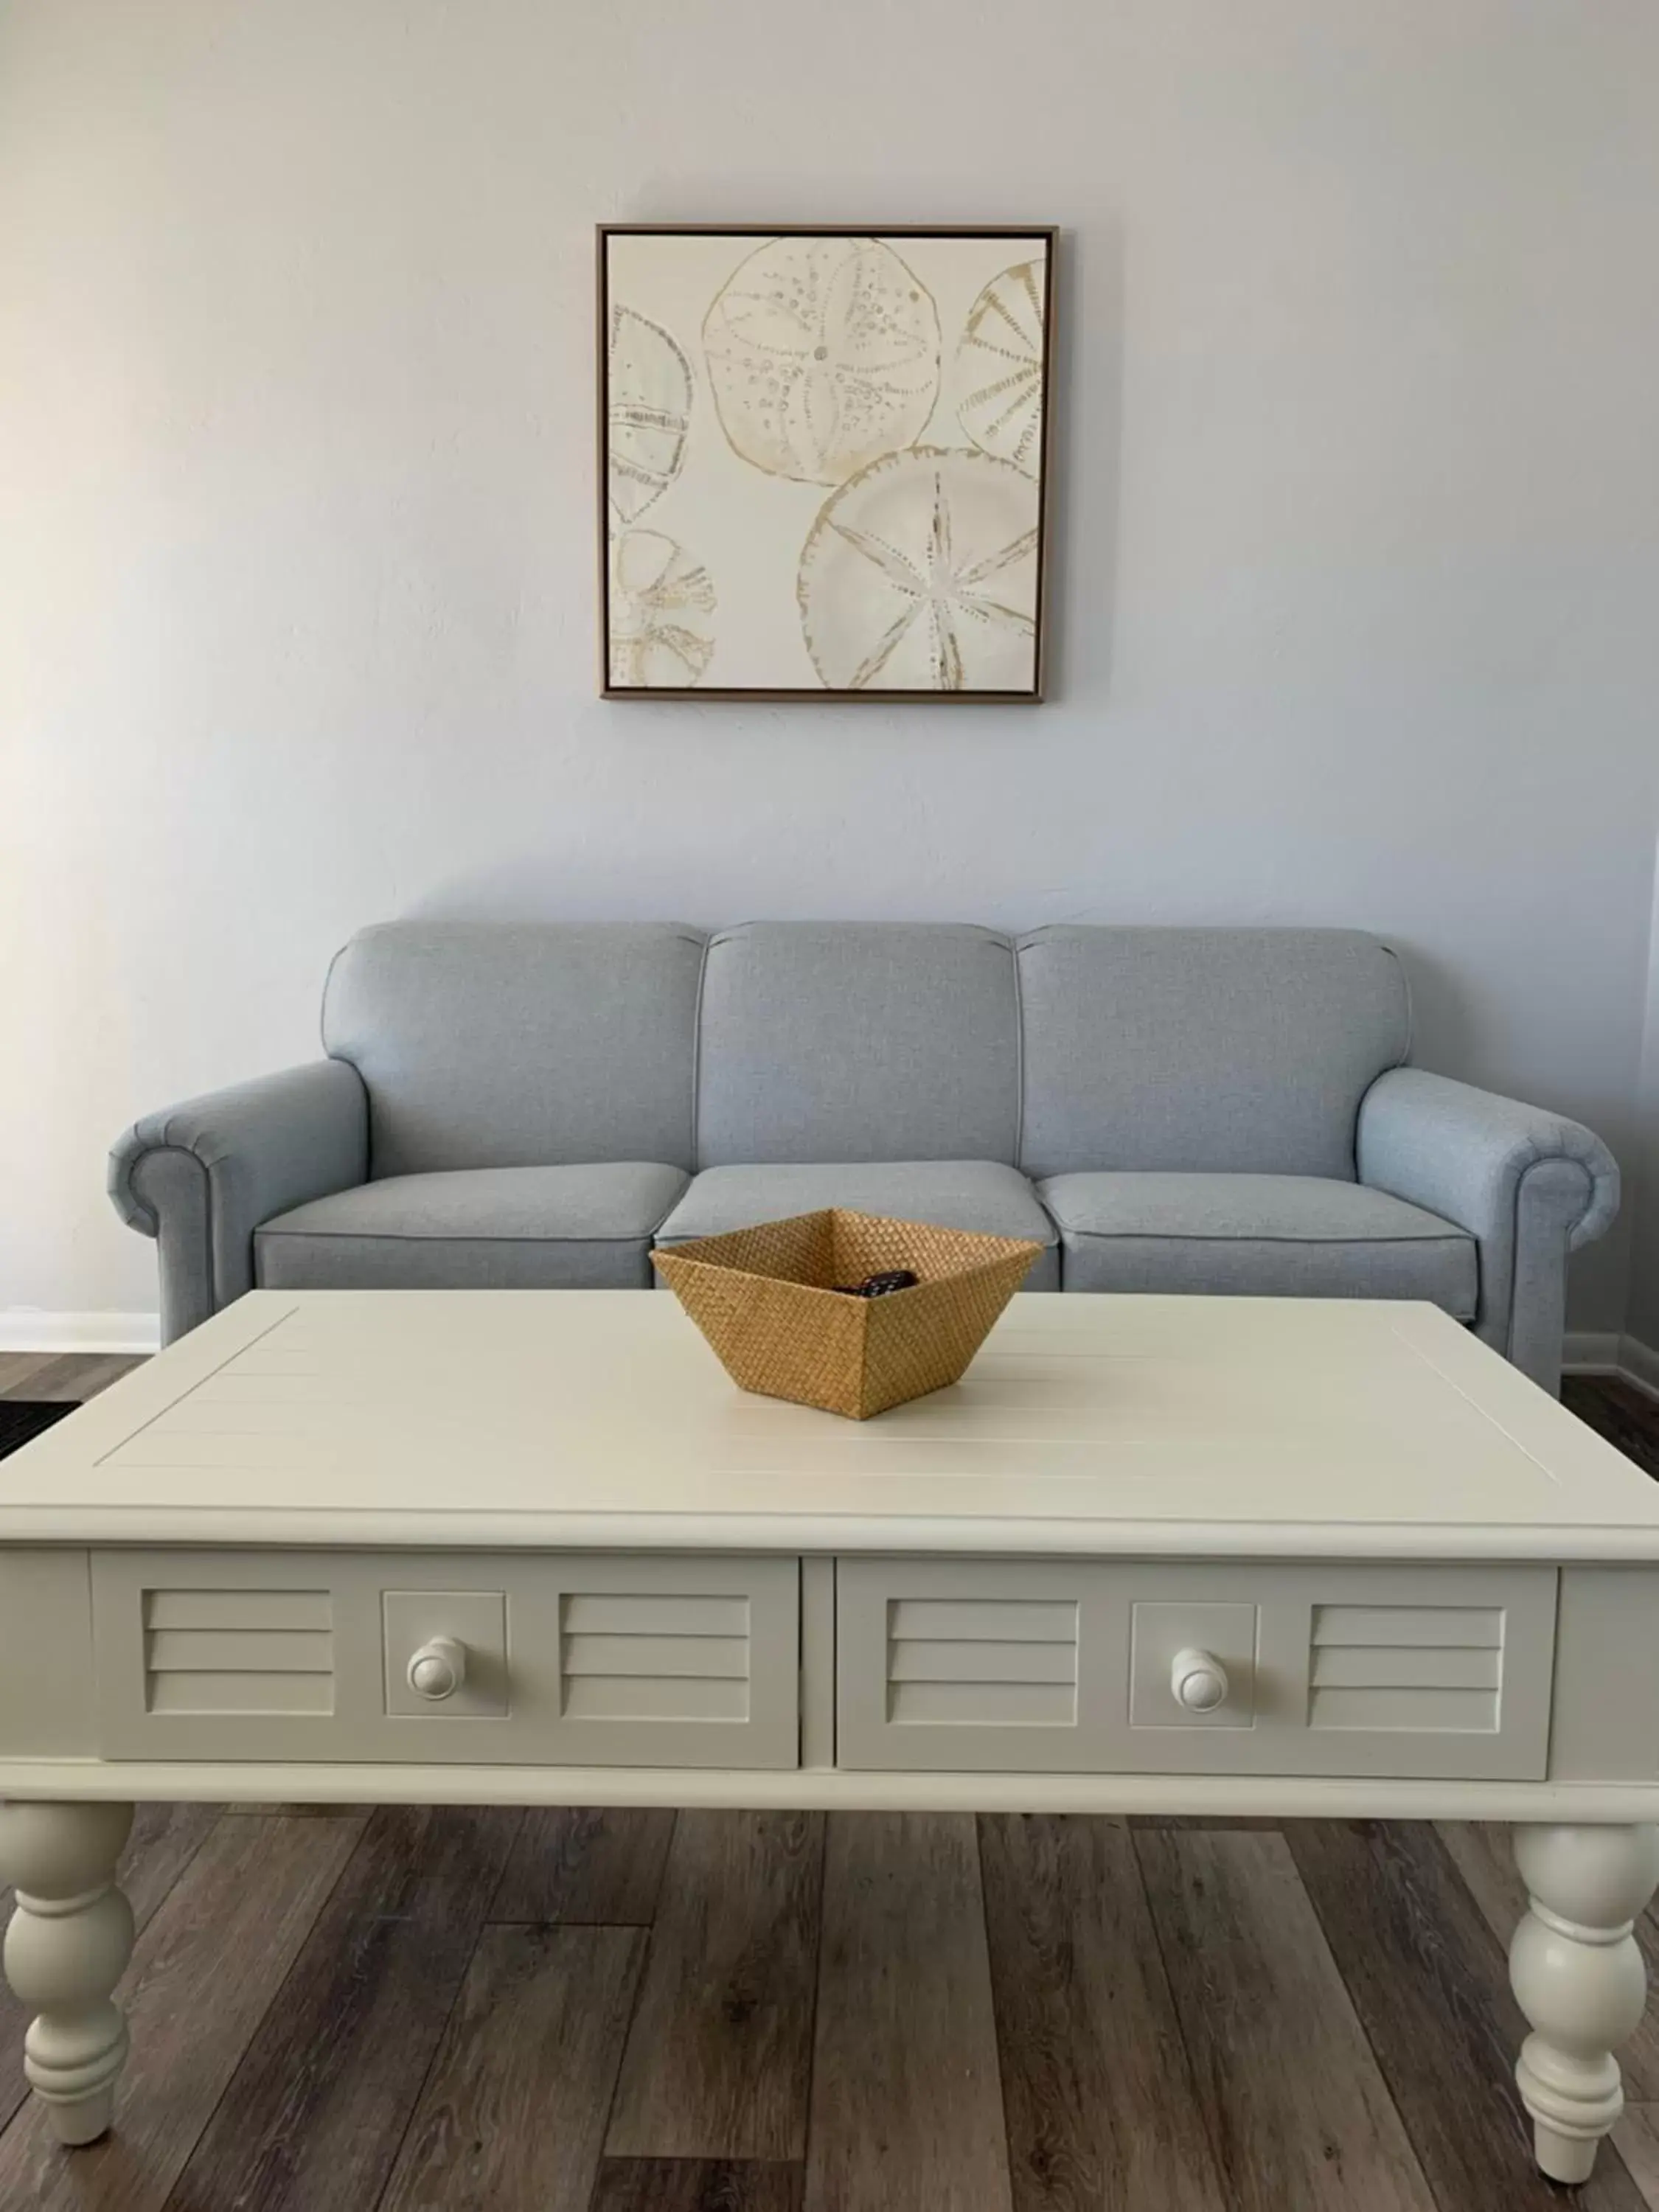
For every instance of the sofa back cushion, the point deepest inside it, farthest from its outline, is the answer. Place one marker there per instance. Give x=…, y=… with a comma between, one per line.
x=858, y=1040
x=1236, y=1050
x=519, y=1045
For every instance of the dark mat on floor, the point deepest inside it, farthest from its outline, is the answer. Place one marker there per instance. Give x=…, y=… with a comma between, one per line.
x=23, y=1418
x=1625, y=1415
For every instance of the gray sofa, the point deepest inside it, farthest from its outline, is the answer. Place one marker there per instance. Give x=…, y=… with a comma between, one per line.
x=535, y=1105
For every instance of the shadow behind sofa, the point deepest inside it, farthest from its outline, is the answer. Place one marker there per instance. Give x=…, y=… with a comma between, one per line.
x=534, y=1105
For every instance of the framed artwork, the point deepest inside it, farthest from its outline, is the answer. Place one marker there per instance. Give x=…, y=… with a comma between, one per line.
x=823, y=461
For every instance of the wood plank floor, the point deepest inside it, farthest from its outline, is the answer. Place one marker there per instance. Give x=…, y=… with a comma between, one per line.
x=406, y=2010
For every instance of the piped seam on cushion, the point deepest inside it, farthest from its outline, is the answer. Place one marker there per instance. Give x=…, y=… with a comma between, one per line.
x=209, y=1272
x=1404, y=1059
x=693, y=1160
x=448, y=1237
x=1540, y=1160
x=1019, y=1059
x=322, y=1007
x=1459, y=1238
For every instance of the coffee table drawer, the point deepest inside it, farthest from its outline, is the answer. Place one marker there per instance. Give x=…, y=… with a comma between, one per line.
x=1402, y=1671
x=613, y=1660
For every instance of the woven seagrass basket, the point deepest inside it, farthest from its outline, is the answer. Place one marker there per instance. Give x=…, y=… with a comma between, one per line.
x=764, y=1299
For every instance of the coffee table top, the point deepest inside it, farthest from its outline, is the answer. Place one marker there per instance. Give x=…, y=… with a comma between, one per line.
x=1124, y=1426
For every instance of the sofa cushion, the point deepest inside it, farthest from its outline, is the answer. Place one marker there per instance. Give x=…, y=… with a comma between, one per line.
x=1257, y=1236
x=980, y=1195
x=857, y=1041
x=1231, y=1050
x=487, y=1044
x=562, y=1228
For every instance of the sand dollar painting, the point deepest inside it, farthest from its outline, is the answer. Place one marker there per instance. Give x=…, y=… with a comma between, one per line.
x=823, y=352
x=648, y=415
x=662, y=610
x=1000, y=362
x=921, y=574
x=847, y=432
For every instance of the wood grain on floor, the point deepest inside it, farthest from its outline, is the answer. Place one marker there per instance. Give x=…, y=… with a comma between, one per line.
x=1625, y=1415
x=572, y=1864
x=1431, y=1985
x=318, y=2109
x=67, y=1377
x=718, y=2061
x=1097, y=2088
x=164, y=1840
x=691, y=2185
x=906, y=2101
x=1481, y=1852
x=1288, y=2089
x=201, y=1983
x=411, y=2010
x=514, y=2110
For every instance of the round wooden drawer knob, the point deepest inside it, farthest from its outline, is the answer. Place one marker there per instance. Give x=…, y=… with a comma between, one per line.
x=438, y=1668
x=1199, y=1682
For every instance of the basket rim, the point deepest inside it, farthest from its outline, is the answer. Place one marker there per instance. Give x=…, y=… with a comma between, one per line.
x=684, y=1255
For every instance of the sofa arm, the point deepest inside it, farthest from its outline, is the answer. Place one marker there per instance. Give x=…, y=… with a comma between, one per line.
x=1528, y=1186
x=201, y=1177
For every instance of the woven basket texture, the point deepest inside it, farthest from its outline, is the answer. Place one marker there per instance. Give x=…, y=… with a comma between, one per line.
x=765, y=1299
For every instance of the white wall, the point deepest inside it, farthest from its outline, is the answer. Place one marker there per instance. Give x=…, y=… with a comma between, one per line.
x=1642, y=1318
x=1358, y=554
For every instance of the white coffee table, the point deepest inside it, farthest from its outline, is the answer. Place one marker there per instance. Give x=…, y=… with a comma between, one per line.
x=1179, y=1555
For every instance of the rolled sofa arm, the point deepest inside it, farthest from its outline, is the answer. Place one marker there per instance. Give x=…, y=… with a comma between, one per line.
x=1528, y=1186
x=201, y=1176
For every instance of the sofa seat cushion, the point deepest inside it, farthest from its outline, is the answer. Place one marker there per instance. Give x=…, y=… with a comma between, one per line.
x=1261, y=1235
x=523, y=1228
x=978, y=1195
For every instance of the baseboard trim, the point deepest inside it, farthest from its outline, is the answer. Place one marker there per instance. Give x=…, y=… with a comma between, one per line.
x=26, y=1328
x=1604, y=1352
x=1591, y=1351
x=1639, y=1363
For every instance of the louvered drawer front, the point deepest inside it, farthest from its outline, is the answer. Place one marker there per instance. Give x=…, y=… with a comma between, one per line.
x=238, y=1651
x=1437, y=1666
x=969, y=1663
x=982, y=1661
x=583, y=1660
x=628, y=1656
x=1074, y=1667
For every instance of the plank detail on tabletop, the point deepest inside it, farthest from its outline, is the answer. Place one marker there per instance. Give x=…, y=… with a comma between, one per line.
x=512, y=2113
x=691, y=2185
x=1101, y=2109
x=580, y=1863
x=1431, y=1985
x=314, y=2118
x=210, y=1962
x=718, y=2058
x=907, y=2104
x=1296, y=2112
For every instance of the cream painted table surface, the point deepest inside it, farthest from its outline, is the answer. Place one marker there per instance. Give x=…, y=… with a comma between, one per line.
x=1178, y=1555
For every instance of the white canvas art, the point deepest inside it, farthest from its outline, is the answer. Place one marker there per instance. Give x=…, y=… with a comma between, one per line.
x=823, y=458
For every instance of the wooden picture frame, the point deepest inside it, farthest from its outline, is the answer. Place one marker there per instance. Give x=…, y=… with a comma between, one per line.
x=831, y=481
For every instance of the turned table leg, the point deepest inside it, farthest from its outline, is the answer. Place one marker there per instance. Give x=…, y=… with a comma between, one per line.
x=1579, y=1977
x=68, y=1944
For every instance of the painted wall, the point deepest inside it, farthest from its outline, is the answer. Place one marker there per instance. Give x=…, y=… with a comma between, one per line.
x=1642, y=1318
x=1357, y=555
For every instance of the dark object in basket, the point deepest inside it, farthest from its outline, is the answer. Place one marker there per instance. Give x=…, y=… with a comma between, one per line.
x=764, y=1297
x=880, y=1286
